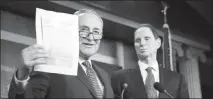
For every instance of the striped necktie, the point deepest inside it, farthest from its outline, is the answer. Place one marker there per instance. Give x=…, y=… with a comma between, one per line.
x=92, y=76
x=150, y=80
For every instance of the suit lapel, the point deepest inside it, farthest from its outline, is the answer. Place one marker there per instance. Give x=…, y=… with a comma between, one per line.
x=99, y=74
x=101, y=78
x=83, y=78
x=140, y=85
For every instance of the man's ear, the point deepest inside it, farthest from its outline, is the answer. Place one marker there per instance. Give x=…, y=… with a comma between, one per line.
x=158, y=41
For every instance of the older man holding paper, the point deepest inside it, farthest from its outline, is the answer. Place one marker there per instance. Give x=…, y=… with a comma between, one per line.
x=90, y=82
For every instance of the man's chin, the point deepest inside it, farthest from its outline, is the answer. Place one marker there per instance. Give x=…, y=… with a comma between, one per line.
x=144, y=54
x=87, y=54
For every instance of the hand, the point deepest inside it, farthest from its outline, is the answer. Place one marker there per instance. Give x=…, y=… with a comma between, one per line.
x=34, y=55
x=31, y=56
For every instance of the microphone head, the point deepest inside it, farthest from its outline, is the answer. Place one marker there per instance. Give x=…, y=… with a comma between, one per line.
x=159, y=87
x=164, y=4
x=125, y=85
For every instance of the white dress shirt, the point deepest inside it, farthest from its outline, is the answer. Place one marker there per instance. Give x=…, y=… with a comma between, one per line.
x=155, y=71
x=22, y=83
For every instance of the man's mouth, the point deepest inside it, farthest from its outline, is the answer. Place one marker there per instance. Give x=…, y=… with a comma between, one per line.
x=88, y=44
x=142, y=50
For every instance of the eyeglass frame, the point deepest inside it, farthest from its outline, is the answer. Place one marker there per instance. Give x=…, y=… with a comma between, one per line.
x=88, y=33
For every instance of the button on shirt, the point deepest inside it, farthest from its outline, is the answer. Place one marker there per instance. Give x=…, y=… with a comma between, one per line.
x=84, y=68
x=155, y=71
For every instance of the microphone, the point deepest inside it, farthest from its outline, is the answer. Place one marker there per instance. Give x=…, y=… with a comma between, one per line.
x=164, y=4
x=125, y=85
x=161, y=89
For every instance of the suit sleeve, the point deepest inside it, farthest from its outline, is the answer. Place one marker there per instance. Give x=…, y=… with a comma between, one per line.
x=37, y=86
x=17, y=88
x=115, y=82
x=183, y=89
x=14, y=91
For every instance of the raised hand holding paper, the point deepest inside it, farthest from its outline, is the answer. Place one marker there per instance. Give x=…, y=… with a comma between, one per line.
x=58, y=32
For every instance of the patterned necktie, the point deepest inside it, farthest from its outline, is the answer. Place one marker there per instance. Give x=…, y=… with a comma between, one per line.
x=92, y=76
x=150, y=80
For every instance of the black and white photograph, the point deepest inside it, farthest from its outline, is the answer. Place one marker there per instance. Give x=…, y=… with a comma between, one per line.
x=115, y=49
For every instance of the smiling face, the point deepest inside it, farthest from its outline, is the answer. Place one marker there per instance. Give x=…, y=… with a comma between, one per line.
x=88, y=46
x=146, y=44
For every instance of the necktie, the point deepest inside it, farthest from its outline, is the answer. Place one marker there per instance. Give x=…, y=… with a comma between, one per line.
x=92, y=76
x=150, y=80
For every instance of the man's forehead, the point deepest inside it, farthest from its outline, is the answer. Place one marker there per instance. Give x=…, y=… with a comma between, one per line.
x=143, y=30
x=86, y=14
x=89, y=16
x=90, y=21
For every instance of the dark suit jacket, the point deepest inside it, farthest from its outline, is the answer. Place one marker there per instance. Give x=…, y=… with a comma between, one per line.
x=174, y=83
x=46, y=85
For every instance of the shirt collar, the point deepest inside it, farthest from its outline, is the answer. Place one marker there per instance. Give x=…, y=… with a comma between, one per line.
x=144, y=66
x=81, y=60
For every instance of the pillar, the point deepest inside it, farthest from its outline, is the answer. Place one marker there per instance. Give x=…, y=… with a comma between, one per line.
x=189, y=67
x=120, y=54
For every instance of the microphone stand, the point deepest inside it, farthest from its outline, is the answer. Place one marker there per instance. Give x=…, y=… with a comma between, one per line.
x=125, y=85
x=168, y=94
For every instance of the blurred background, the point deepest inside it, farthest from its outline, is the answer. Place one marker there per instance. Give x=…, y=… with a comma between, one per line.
x=190, y=22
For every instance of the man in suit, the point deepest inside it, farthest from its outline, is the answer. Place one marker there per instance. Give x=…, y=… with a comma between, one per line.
x=90, y=82
x=139, y=81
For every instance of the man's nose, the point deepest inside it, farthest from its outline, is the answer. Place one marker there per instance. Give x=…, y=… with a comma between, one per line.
x=143, y=42
x=90, y=36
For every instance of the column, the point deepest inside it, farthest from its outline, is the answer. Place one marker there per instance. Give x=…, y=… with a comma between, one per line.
x=174, y=53
x=190, y=69
x=120, y=54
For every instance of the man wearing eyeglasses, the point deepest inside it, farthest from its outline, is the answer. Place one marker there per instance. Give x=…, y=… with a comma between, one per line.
x=91, y=81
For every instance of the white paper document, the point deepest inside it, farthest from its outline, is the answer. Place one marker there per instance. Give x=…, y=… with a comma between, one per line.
x=58, y=32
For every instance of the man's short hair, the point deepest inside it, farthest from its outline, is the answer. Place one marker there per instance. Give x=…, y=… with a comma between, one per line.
x=152, y=28
x=83, y=11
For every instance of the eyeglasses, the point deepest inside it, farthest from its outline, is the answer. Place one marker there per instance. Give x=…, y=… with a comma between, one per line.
x=85, y=33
